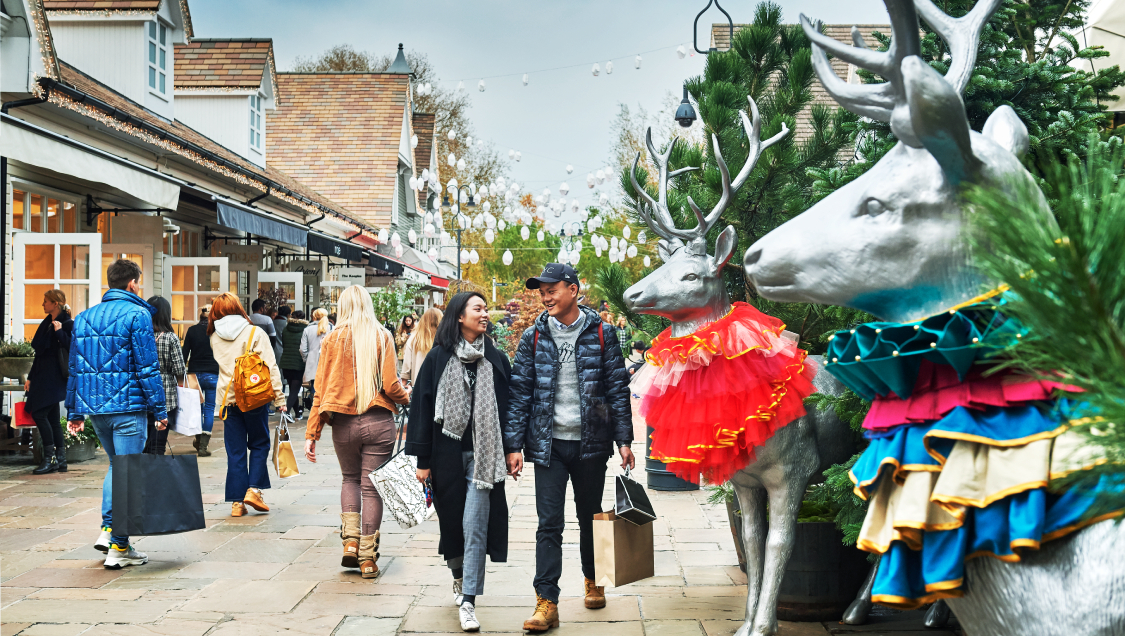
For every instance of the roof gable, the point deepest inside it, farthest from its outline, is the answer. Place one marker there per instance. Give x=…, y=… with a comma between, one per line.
x=109, y=7
x=224, y=64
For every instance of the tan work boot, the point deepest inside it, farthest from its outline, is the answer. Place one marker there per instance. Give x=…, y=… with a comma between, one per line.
x=368, y=554
x=254, y=500
x=349, y=534
x=595, y=595
x=237, y=509
x=545, y=617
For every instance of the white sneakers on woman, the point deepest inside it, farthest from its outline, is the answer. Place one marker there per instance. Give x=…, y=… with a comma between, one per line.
x=468, y=615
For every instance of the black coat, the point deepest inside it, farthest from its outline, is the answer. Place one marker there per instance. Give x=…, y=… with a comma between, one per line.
x=442, y=454
x=607, y=415
x=48, y=385
x=197, y=350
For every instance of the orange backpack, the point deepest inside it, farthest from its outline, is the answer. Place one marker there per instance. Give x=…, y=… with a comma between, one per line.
x=250, y=379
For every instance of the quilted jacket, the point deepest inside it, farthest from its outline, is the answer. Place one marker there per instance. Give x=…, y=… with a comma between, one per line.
x=113, y=362
x=606, y=413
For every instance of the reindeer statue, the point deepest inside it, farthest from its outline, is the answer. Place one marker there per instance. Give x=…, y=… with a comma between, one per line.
x=891, y=243
x=688, y=289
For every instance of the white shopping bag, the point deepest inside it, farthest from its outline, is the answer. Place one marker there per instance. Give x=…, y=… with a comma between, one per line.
x=189, y=414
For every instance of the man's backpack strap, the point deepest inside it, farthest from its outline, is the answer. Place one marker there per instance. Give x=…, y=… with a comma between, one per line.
x=535, y=345
x=601, y=335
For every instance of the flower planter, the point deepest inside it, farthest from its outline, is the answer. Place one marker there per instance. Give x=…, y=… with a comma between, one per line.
x=16, y=368
x=76, y=452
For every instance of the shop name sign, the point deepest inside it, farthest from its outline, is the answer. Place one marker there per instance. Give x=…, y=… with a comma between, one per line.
x=415, y=276
x=243, y=257
x=352, y=275
x=313, y=270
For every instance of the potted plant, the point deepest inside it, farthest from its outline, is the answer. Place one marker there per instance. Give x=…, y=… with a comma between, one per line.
x=80, y=446
x=16, y=358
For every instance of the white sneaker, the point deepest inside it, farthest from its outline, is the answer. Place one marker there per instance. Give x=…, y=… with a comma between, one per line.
x=104, y=539
x=457, y=595
x=468, y=615
x=117, y=559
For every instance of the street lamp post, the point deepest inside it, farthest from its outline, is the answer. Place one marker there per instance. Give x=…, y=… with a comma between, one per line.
x=445, y=203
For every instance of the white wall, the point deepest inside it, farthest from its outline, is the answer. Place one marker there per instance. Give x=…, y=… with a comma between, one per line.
x=223, y=118
x=111, y=52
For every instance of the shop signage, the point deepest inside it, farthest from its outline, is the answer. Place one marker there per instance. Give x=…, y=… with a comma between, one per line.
x=351, y=276
x=243, y=258
x=332, y=247
x=415, y=276
x=314, y=271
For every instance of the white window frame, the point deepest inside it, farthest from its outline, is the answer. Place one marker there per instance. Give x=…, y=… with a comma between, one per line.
x=194, y=262
x=20, y=240
x=146, y=252
x=256, y=122
x=297, y=279
x=47, y=192
x=154, y=53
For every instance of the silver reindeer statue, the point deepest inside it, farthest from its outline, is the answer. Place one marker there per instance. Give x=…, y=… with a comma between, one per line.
x=891, y=243
x=688, y=289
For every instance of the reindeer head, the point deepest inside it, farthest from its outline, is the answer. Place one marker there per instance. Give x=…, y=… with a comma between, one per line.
x=688, y=288
x=891, y=242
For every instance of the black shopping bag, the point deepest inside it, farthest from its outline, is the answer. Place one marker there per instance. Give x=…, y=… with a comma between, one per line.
x=156, y=494
x=631, y=501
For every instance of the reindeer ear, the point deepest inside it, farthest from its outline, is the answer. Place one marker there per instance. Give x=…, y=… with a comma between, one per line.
x=1005, y=128
x=724, y=248
x=937, y=116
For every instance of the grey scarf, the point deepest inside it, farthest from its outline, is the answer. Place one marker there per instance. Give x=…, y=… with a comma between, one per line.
x=454, y=405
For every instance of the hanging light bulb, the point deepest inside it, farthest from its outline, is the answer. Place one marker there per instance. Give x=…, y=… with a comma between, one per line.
x=412, y=236
x=558, y=212
x=438, y=221
x=507, y=258
x=632, y=251
x=478, y=222
x=413, y=183
x=501, y=225
x=600, y=176
x=539, y=236
x=511, y=153
x=525, y=233
x=474, y=257
x=461, y=163
x=598, y=251
x=429, y=230
x=603, y=198
x=464, y=257
x=489, y=236
x=626, y=232
x=642, y=237
x=398, y=251
x=637, y=62
x=608, y=67
x=414, y=141
x=480, y=86
x=428, y=218
x=451, y=160
x=452, y=185
x=432, y=253
x=613, y=254
x=681, y=52
x=589, y=180
x=451, y=135
x=575, y=205
x=590, y=225
x=489, y=221
x=487, y=206
x=395, y=239
x=564, y=256
x=518, y=155
x=384, y=236
x=614, y=242
x=575, y=256
x=564, y=188
x=648, y=261
x=525, y=78
x=597, y=69
x=569, y=168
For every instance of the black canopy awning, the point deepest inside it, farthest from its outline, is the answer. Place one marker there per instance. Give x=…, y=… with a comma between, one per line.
x=382, y=263
x=324, y=245
x=259, y=225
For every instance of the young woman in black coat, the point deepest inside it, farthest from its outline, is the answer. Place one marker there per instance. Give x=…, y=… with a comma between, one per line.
x=46, y=382
x=455, y=430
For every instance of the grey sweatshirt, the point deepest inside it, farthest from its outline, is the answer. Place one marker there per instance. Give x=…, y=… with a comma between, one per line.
x=568, y=404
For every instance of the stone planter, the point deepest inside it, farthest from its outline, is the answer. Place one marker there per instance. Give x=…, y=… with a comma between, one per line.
x=16, y=368
x=79, y=452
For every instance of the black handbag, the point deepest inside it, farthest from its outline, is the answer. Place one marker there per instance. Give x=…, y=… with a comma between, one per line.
x=156, y=494
x=631, y=502
x=63, y=356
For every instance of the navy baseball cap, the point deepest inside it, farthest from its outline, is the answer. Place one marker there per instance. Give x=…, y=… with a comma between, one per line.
x=553, y=273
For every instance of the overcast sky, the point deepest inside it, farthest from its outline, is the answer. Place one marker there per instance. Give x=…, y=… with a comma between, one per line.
x=563, y=116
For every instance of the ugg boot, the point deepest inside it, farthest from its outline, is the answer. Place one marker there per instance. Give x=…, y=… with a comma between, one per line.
x=349, y=535
x=368, y=554
x=60, y=457
x=545, y=617
x=48, y=465
x=200, y=444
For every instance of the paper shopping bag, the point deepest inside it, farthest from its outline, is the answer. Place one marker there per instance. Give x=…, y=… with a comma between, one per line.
x=189, y=414
x=156, y=494
x=191, y=381
x=284, y=461
x=631, y=501
x=21, y=416
x=623, y=551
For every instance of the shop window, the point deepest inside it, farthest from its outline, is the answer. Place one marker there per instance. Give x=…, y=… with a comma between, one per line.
x=42, y=213
x=158, y=58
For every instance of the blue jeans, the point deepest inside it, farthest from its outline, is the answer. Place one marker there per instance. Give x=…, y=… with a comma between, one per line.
x=208, y=382
x=120, y=434
x=246, y=437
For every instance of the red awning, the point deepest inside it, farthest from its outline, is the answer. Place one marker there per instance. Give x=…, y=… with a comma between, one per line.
x=438, y=281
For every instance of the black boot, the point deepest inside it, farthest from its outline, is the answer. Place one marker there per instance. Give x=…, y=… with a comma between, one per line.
x=60, y=457
x=49, y=465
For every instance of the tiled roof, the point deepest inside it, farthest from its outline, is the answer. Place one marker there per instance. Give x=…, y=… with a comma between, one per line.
x=720, y=39
x=214, y=63
x=101, y=5
x=340, y=133
x=423, y=125
x=124, y=106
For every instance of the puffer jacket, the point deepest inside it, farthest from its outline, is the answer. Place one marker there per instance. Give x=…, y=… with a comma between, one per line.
x=113, y=363
x=606, y=413
x=291, y=345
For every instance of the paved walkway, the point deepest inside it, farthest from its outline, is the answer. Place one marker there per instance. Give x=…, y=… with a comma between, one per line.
x=280, y=572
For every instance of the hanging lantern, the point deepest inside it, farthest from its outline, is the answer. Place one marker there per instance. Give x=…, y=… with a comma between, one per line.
x=452, y=185
x=507, y=258
x=558, y=212
x=398, y=251
x=462, y=221
x=384, y=236
x=569, y=168
x=613, y=242
x=539, y=236
x=478, y=222
x=511, y=153
x=575, y=256
x=489, y=221
x=501, y=225
x=525, y=78
x=489, y=236
x=414, y=141
x=564, y=188
x=598, y=251
x=525, y=233
x=564, y=256
x=425, y=174
x=625, y=231
x=432, y=253
x=608, y=68
x=681, y=52
x=446, y=239
x=480, y=86
x=487, y=206
x=451, y=135
x=461, y=84
x=642, y=237
x=622, y=245
x=428, y=218
x=518, y=155
x=451, y=160
x=613, y=254
x=464, y=257
x=413, y=183
x=591, y=226
x=395, y=239
x=597, y=69
x=589, y=180
x=461, y=163
x=632, y=251
x=474, y=258
x=603, y=198
x=578, y=245
x=575, y=205
x=429, y=88
x=438, y=221
x=648, y=262
x=600, y=176
x=412, y=236
x=429, y=230
x=637, y=62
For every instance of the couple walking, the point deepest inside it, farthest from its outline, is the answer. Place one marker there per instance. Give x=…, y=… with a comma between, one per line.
x=474, y=419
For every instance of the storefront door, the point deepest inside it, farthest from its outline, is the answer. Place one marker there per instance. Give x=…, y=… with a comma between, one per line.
x=191, y=284
x=292, y=282
x=138, y=253
x=53, y=261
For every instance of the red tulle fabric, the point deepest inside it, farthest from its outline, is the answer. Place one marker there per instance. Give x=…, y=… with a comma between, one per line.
x=938, y=391
x=713, y=396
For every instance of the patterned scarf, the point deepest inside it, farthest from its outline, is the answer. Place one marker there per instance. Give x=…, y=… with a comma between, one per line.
x=454, y=405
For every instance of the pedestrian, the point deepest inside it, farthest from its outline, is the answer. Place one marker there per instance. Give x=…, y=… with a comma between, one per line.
x=332, y=318
x=358, y=391
x=310, y=349
x=172, y=372
x=569, y=401
x=291, y=363
x=45, y=386
x=115, y=380
x=260, y=316
x=405, y=328
x=201, y=363
x=246, y=434
x=457, y=418
x=419, y=345
x=623, y=331
x=636, y=358
x=280, y=316
x=606, y=317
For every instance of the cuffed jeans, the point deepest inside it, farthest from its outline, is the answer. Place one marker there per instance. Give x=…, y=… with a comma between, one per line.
x=246, y=437
x=474, y=526
x=588, y=478
x=209, y=382
x=120, y=434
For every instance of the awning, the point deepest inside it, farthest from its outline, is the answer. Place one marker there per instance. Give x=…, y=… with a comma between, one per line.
x=258, y=225
x=382, y=263
x=324, y=245
x=438, y=281
x=22, y=143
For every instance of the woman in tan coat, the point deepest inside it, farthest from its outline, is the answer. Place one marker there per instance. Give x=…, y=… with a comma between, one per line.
x=419, y=344
x=356, y=392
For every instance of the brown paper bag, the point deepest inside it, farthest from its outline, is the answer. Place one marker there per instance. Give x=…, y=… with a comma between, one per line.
x=623, y=551
x=284, y=461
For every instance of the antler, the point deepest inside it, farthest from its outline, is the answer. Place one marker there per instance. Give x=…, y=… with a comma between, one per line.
x=878, y=101
x=660, y=220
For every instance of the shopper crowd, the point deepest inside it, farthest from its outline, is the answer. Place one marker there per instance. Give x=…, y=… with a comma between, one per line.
x=473, y=418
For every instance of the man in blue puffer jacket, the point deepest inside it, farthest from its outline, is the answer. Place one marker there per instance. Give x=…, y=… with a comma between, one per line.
x=115, y=380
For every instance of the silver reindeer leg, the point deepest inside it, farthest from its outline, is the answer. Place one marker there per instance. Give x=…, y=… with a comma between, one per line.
x=785, y=503
x=857, y=612
x=752, y=502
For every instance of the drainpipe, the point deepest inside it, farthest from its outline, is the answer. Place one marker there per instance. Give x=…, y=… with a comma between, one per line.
x=20, y=103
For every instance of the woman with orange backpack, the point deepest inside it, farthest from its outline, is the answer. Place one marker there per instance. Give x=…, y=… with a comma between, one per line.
x=249, y=381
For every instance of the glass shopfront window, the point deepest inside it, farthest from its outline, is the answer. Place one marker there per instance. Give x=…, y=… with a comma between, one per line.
x=37, y=212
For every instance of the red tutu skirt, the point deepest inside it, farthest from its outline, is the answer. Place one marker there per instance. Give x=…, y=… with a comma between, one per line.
x=713, y=396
